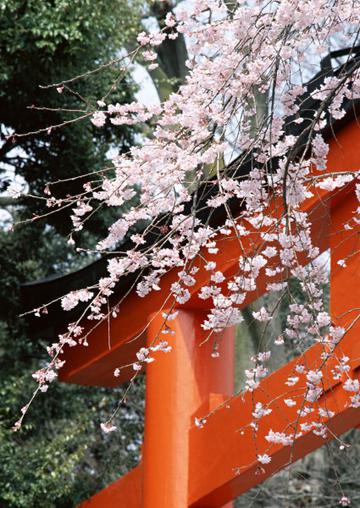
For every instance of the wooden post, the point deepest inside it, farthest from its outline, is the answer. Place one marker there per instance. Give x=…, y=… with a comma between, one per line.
x=177, y=384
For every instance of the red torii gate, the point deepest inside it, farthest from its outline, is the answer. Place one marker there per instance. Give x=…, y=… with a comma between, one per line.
x=184, y=465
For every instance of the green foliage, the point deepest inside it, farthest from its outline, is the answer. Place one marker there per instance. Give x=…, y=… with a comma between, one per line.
x=43, y=42
x=65, y=28
x=60, y=456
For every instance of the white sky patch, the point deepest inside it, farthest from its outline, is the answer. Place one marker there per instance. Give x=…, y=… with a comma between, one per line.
x=324, y=260
x=147, y=93
x=17, y=187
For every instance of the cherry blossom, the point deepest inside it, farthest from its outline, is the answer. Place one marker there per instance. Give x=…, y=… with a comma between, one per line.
x=107, y=427
x=72, y=299
x=211, y=154
x=279, y=438
x=351, y=385
x=345, y=501
x=264, y=459
x=98, y=119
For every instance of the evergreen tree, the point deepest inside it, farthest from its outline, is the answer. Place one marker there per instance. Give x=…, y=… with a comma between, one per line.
x=60, y=457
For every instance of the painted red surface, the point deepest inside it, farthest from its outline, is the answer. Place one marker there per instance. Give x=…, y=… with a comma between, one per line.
x=184, y=465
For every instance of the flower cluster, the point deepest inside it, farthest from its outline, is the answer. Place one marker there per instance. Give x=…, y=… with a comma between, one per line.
x=215, y=153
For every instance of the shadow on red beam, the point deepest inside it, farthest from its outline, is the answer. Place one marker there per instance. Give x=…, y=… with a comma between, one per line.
x=223, y=457
x=125, y=492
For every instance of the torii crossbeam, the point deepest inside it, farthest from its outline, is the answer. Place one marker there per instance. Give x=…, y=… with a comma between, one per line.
x=186, y=466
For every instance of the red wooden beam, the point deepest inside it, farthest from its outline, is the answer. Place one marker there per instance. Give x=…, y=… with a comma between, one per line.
x=222, y=455
x=177, y=383
x=227, y=444
x=95, y=364
x=189, y=466
x=126, y=492
x=223, y=462
x=219, y=461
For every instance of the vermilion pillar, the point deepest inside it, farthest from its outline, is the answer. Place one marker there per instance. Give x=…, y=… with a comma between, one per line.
x=177, y=384
x=345, y=280
x=345, y=245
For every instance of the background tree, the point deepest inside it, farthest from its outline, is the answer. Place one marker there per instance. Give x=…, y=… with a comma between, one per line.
x=41, y=43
